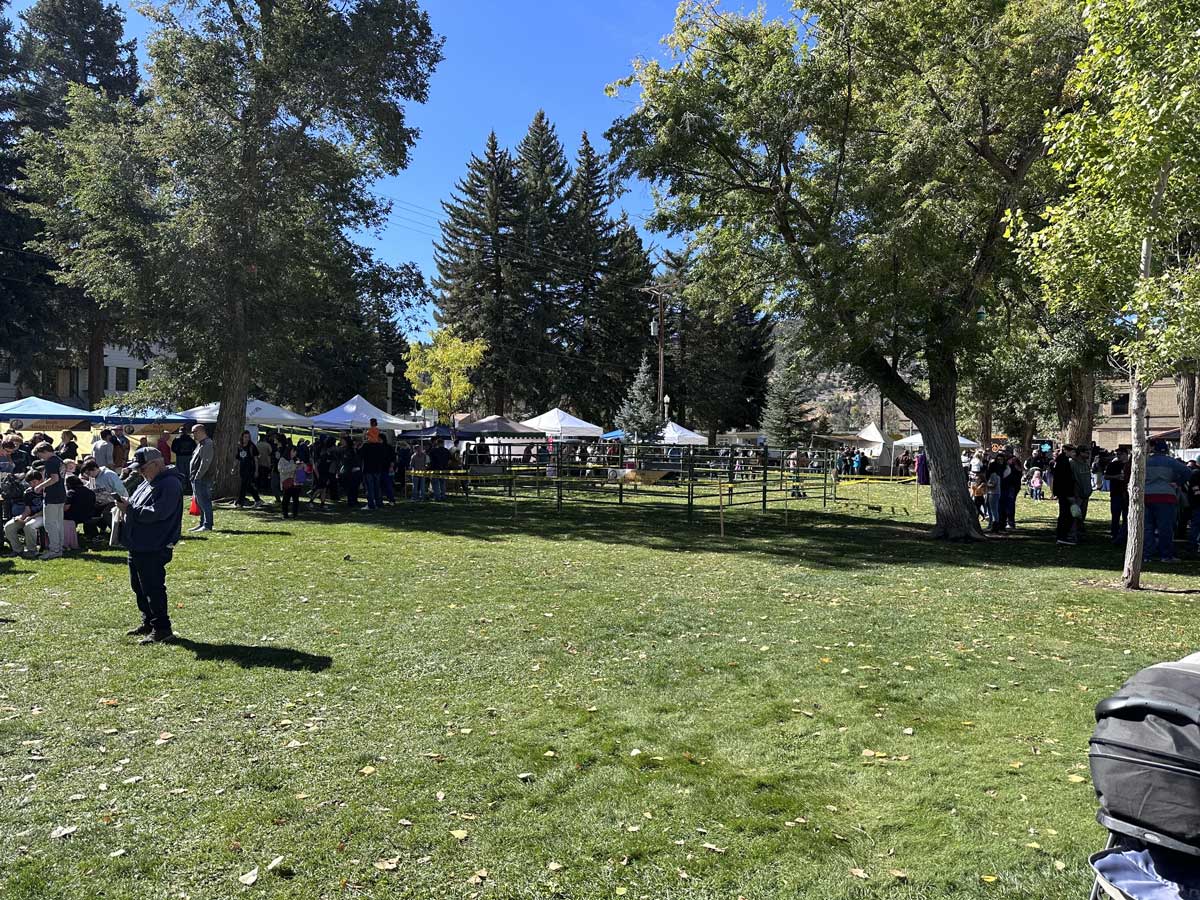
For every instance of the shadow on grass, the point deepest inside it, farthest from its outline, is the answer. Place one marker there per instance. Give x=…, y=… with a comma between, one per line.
x=256, y=657
x=239, y=531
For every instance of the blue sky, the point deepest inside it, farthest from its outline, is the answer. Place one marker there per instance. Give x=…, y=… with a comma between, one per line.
x=505, y=59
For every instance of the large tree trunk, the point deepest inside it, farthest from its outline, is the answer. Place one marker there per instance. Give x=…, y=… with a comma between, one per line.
x=1027, y=432
x=1077, y=408
x=1188, y=397
x=95, y=365
x=235, y=389
x=1131, y=577
x=956, y=519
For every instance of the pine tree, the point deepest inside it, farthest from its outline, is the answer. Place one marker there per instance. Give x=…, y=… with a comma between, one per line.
x=639, y=415
x=482, y=279
x=65, y=43
x=789, y=418
x=605, y=312
x=544, y=176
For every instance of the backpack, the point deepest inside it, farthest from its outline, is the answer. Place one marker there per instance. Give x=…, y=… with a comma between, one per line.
x=12, y=486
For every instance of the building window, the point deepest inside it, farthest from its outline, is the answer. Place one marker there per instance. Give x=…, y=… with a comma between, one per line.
x=1120, y=405
x=142, y=374
x=122, y=378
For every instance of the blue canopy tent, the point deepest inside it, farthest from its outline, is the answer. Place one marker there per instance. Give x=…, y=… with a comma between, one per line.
x=433, y=431
x=29, y=410
x=114, y=415
x=617, y=435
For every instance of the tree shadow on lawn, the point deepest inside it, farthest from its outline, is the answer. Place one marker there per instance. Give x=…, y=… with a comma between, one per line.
x=256, y=657
x=828, y=539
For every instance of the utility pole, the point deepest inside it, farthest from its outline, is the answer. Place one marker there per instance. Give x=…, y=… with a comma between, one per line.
x=658, y=330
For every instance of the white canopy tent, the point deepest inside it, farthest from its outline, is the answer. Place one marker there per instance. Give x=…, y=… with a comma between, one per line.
x=875, y=444
x=561, y=424
x=915, y=440
x=674, y=433
x=356, y=414
x=258, y=412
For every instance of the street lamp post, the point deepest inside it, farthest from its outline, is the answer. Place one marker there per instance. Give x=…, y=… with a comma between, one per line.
x=666, y=407
x=390, y=370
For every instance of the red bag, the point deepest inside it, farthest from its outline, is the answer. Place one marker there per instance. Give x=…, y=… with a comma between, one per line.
x=194, y=509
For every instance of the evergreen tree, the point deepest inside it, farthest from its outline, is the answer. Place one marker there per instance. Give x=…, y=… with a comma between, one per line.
x=24, y=283
x=65, y=43
x=604, y=311
x=482, y=279
x=544, y=176
x=639, y=415
x=789, y=417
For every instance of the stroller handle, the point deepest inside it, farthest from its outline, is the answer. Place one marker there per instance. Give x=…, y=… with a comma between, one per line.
x=1121, y=707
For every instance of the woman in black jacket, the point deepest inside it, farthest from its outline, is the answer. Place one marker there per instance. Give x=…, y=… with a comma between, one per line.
x=247, y=457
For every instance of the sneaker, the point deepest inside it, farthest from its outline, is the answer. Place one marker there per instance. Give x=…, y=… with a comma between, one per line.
x=258, y=504
x=158, y=637
x=194, y=530
x=139, y=631
x=49, y=555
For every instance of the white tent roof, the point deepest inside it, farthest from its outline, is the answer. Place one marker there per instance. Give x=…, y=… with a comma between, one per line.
x=872, y=435
x=357, y=413
x=559, y=423
x=258, y=412
x=677, y=434
x=915, y=440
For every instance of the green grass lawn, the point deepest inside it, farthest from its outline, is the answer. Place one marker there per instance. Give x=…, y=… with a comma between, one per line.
x=599, y=703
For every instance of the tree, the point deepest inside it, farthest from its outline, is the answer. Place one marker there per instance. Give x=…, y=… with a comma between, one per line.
x=789, y=418
x=440, y=371
x=604, y=311
x=852, y=168
x=24, y=284
x=66, y=43
x=639, y=416
x=482, y=281
x=215, y=218
x=1115, y=246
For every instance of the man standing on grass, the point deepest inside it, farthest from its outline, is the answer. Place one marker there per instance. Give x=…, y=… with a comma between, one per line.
x=1116, y=473
x=200, y=473
x=1065, y=489
x=54, y=492
x=1165, y=476
x=439, y=462
x=152, y=517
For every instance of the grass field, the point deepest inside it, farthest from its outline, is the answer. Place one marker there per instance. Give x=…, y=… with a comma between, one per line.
x=440, y=701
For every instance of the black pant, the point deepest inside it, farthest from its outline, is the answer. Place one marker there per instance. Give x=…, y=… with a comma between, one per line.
x=148, y=578
x=291, y=495
x=248, y=489
x=1066, y=521
x=1118, y=506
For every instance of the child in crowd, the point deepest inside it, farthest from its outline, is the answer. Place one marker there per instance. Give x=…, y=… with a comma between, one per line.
x=979, y=495
x=1036, y=485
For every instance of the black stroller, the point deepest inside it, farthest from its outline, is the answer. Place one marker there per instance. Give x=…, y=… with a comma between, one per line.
x=1145, y=762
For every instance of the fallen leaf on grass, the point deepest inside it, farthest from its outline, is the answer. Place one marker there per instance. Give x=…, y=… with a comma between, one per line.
x=274, y=864
x=1076, y=779
x=250, y=877
x=387, y=865
x=714, y=848
x=163, y=738
x=406, y=823
x=479, y=877
x=898, y=874
x=859, y=873
x=117, y=853
x=63, y=831
x=1059, y=865
x=458, y=834
x=553, y=866
x=525, y=776
x=988, y=879
x=367, y=770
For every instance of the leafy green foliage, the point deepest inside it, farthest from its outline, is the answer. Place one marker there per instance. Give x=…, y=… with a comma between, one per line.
x=440, y=372
x=851, y=168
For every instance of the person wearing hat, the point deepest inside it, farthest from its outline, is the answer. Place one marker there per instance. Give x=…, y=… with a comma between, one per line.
x=1165, y=475
x=152, y=517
